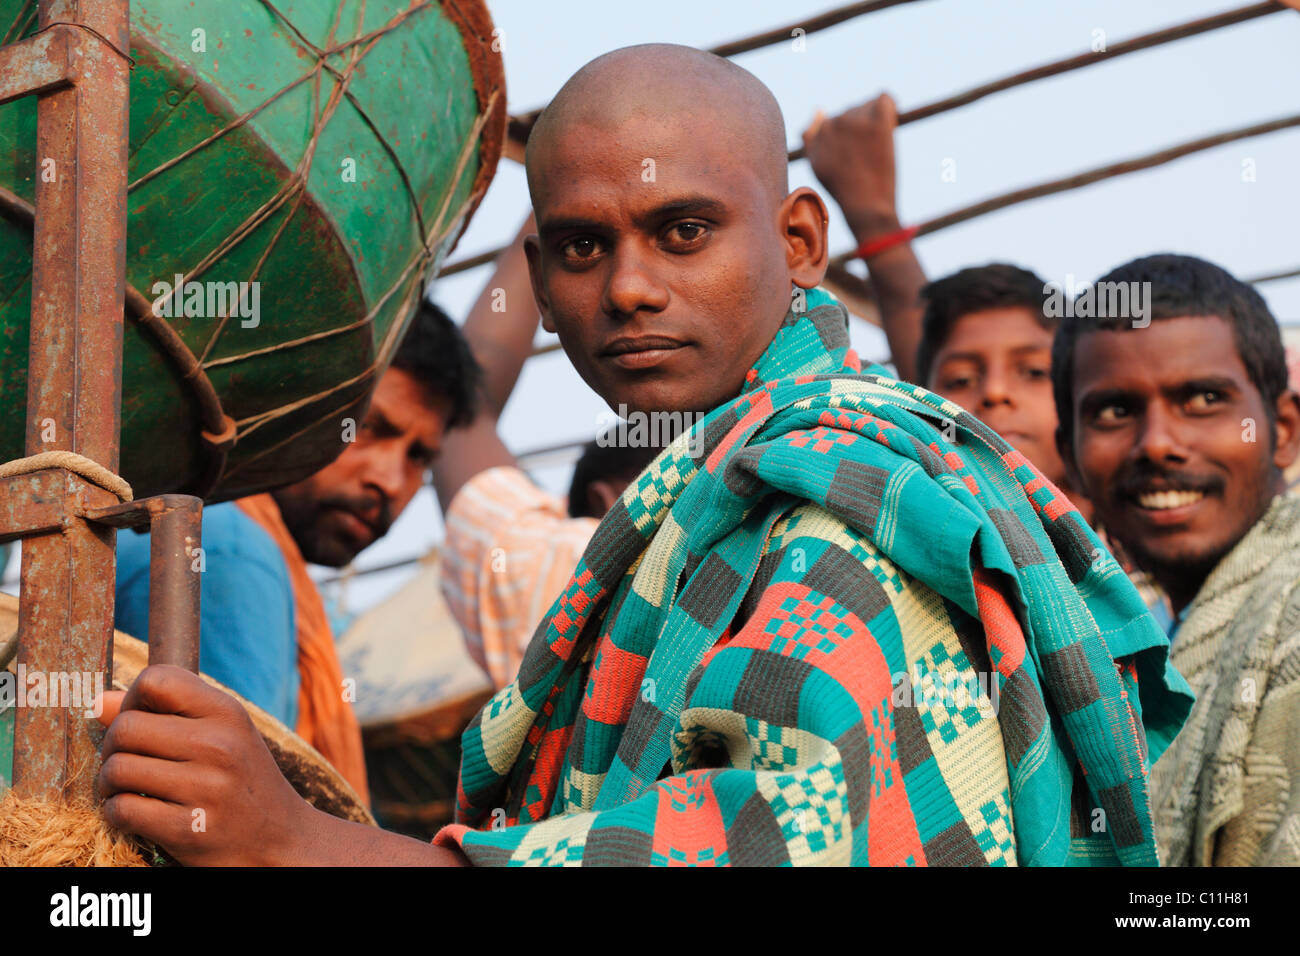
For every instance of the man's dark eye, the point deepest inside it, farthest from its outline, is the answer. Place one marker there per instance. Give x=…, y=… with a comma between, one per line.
x=1111, y=413
x=584, y=247
x=1205, y=398
x=687, y=232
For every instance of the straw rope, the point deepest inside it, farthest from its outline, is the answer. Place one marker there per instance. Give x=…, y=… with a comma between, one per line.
x=87, y=468
x=36, y=833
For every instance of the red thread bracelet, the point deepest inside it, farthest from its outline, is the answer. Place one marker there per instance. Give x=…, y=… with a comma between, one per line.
x=879, y=244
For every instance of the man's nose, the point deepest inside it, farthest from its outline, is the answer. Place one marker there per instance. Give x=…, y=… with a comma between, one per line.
x=1160, y=439
x=996, y=390
x=633, y=286
x=386, y=469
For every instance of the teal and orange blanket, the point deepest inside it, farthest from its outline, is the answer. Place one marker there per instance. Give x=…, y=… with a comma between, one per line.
x=840, y=621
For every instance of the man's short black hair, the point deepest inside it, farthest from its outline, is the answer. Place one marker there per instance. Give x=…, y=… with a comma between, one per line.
x=995, y=286
x=435, y=351
x=1180, y=286
x=612, y=461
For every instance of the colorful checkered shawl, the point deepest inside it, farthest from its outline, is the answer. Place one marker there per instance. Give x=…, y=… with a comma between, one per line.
x=759, y=657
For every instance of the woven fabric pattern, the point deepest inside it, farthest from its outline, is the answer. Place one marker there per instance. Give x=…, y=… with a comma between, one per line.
x=508, y=550
x=1227, y=793
x=737, y=672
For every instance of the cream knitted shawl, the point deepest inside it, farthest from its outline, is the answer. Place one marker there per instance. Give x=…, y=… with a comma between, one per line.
x=1227, y=793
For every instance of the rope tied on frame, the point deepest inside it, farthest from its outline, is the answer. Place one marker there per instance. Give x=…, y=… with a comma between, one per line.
x=87, y=468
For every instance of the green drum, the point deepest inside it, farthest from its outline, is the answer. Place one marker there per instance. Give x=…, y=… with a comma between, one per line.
x=302, y=168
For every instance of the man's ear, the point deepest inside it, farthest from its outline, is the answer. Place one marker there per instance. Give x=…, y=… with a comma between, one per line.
x=601, y=495
x=804, y=225
x=1286, y=430
x=533, y=253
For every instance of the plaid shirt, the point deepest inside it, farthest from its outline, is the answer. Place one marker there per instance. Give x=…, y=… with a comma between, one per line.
x=509, y=551
x=826, y=516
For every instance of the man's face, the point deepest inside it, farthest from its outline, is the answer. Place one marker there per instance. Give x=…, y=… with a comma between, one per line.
x=997, y=364
x=1172, y=441
x=659, y=261
x=350, y=503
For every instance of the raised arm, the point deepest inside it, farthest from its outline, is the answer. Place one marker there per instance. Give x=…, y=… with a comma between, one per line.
x=852, y=156
x=500, y=330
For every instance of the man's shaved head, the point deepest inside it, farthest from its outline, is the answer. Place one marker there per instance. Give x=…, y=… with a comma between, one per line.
x=667, y=247
x=712, y=96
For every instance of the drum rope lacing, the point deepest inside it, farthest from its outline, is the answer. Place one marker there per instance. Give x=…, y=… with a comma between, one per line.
x=220, y=432
x=295, y=189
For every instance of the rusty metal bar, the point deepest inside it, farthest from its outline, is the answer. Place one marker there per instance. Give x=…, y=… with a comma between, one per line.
x=45, y=502
x=74, y=369
x=174, y=587
x=175, y=526
x=38, y=64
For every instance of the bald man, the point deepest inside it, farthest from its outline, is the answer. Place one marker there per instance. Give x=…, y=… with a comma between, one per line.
x=840, y=621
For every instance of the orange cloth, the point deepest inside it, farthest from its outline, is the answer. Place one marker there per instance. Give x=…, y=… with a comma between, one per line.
x=325, y=718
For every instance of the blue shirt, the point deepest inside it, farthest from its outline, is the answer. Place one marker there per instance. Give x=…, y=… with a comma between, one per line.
x=247, y=634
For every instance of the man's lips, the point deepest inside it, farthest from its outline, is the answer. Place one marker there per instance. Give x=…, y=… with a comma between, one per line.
x=1166, y=503
x=1167, y=500
x=358, y=527
x=641, y=352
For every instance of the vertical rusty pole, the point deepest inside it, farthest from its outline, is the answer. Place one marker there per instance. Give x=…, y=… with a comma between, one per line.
x=74, y=386
x=174, y=536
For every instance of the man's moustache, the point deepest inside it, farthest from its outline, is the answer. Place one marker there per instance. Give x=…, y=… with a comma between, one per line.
x=1143, y=480
x=361, y=509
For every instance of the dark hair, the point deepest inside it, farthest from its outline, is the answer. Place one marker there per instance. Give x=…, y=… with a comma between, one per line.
x=435, y=351
x=603, y=462
x=995, y=286
x=1180, y=286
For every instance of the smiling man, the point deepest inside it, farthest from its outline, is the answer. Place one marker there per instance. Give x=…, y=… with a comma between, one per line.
x=772, y=650
x=264, y=632
x=1179, y=433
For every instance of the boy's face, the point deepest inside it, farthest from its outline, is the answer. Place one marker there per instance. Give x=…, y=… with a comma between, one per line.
x=1172, y=441
x=661, y=260
x=997, y=364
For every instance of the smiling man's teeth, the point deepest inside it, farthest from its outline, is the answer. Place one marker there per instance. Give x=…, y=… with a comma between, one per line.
x=1163, y=500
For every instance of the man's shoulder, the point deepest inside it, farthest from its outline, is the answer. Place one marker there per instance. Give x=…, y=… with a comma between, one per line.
x=503, y=507
x=228, y=530
x=227, y=533
x=1253, y=594
x=1267, y=560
